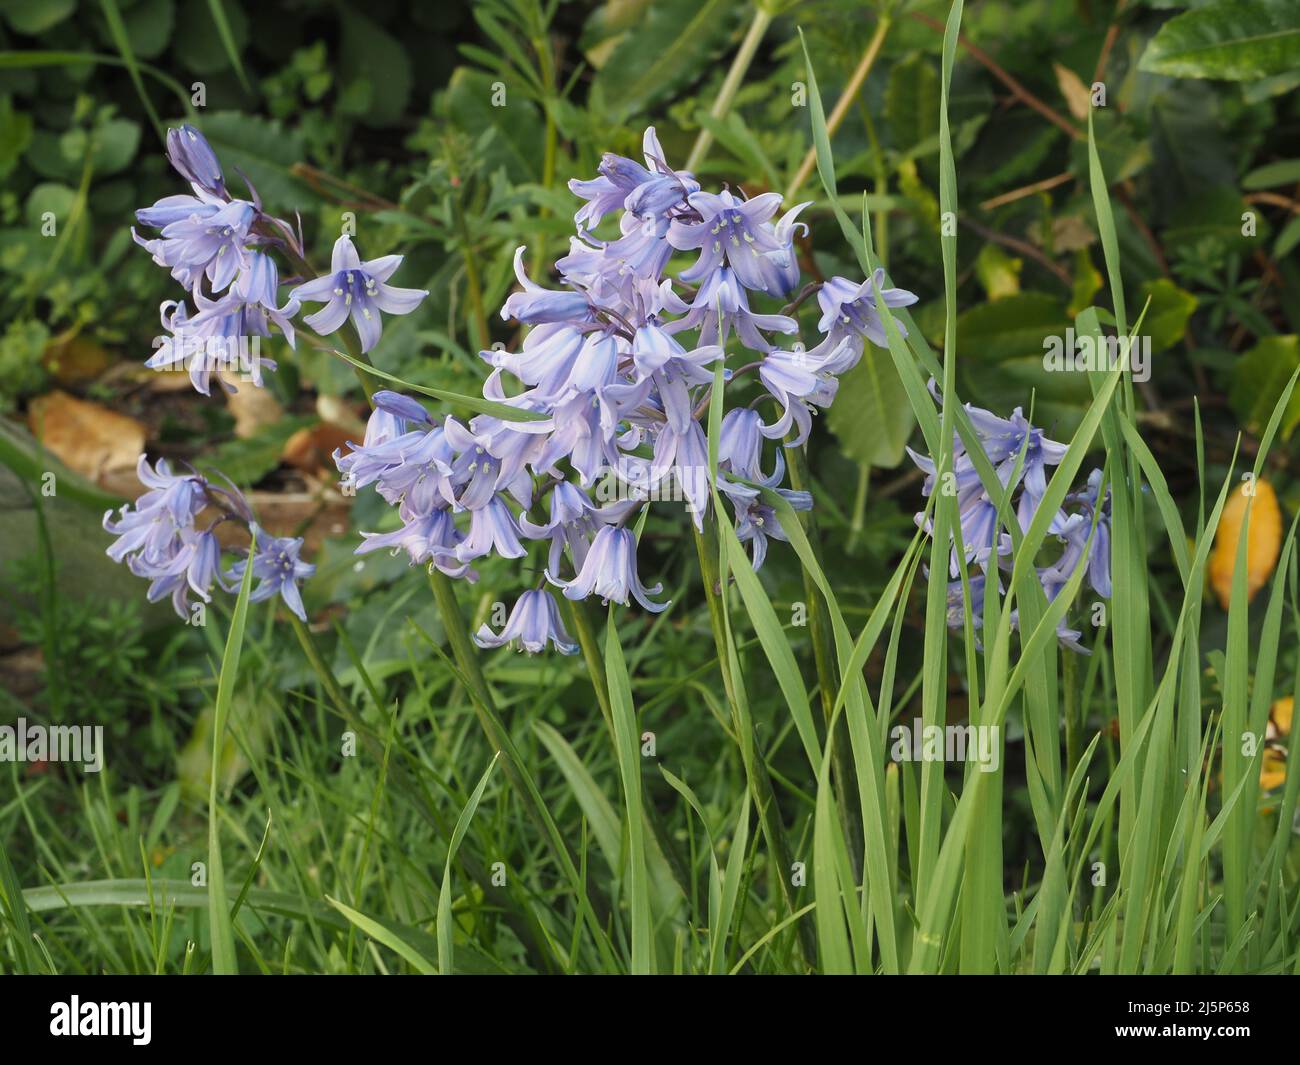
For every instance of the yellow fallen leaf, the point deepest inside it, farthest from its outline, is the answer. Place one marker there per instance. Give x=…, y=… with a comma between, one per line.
x=1261, y=549
x=1078, y=96
x=1272, y=774
x=1279, y=719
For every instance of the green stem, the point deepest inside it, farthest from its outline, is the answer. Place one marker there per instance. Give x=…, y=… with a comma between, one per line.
x=755, y=766
x=580, y=618
x=828, y=681
x=472, y=283
x=1073, y=714
x=462, y=648
x=731, y=84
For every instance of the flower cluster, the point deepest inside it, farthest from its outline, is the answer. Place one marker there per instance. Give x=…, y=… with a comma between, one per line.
x=159, y=538
x=1004, y=442
x=224, y=250
x=614, y=375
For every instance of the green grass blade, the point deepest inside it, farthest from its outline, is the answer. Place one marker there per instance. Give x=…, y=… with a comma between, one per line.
x=223, y=940
x=445, y=944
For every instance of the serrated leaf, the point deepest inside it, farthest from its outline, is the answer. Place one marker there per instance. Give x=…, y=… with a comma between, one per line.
x=668, y=49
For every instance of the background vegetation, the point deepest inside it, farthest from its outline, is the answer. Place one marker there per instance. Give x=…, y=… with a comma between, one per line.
x=571, y=850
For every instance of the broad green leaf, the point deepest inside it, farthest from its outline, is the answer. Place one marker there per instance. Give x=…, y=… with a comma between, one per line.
x=1258, y=378
x=1170, y=309
x=1236, y=40
x=870, y=416
x=670, y=47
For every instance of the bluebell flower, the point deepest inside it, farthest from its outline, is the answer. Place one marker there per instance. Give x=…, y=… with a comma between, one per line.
x=536, y=305
x=277, y=568
x=849, y=310
x=430, y=538
x=645, y=191
x=158, y=539
x=193, y=157
x=731, y=232
x=492, y=528
x=799, y=381
x=620, y=366
x=357, y=290
x=780, y=268
x=212, y=244
x=609, y=571
x=721, y=305
x=681, y=450
x=740, y=447
x=1073, y=530
x=219, y=337
x=533, y=623
x=756, y=520
x=1003, y=441
x=194, y=565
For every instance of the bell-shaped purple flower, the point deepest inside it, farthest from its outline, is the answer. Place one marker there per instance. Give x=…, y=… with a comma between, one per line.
x=195, y=161
x=731, y=233
x=609, y=571
x=277, y=568
x=536, y=305
x=357, y=290
x=534, y=622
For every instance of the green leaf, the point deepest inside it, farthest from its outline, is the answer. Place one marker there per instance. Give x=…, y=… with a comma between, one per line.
x=247, y=460
x=870, y=416
x=1002, y=360
x=228, y=41
x=33, y=17
x=1271, y=175
x=202, y=45
x=1258, y=378
x=372, y=53
x=1238, y=40
x=149, y=25
x=265, y=151
x=626, y=732
x=444, y=892
x=474, y=403
x=512, y=135
x=114, y=145
x=15, y=135
x=389, y=937
x=1170, y=309
x=220, y=926
x=998, y=272
x=670, y=48
x=912, y=102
